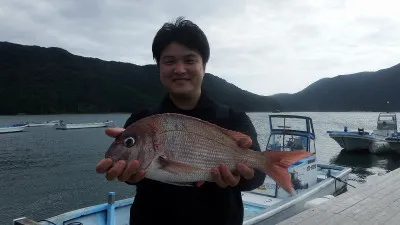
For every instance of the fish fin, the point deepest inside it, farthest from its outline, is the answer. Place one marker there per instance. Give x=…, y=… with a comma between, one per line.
x=173, y=166
x=277, y=164
x=180, y=184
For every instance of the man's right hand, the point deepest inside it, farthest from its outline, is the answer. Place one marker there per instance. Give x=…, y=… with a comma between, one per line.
x=130, y=173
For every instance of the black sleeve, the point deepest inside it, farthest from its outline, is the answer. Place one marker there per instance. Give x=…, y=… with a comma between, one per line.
x=244, y=125
x=135, y=117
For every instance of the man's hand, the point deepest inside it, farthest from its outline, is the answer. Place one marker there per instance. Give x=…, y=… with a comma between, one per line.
x=127, y=173
x=224, y=178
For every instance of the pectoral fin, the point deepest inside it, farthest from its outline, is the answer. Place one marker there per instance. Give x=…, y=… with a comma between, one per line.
x=175, y=167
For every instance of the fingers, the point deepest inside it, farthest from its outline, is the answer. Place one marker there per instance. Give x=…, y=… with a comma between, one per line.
x=244, y=142
x=228, y=177
x=246, y=172
x=104, y=165
x=137, y=177
x=114, y=132
x=132, y=168
x=223, y=177
x=199, y=183
x=116, y=170
x=130, y=172
x=216, y=175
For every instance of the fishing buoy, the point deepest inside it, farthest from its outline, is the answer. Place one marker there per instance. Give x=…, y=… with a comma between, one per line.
x=318, y=201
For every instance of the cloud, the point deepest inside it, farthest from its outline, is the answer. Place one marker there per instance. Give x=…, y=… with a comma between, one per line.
x=265, y=47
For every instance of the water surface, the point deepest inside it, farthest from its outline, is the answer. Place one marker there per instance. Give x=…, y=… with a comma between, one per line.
x=45, y=172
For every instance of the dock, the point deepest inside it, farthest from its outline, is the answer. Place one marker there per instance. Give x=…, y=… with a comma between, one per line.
x=374, y=203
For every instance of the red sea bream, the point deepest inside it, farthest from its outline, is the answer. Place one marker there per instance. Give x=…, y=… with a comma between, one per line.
x=176, y=149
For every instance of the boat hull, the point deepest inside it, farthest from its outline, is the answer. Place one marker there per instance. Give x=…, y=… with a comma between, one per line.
x=352, y=141
x=69, y=126
x=41, y=124
x=4, y=130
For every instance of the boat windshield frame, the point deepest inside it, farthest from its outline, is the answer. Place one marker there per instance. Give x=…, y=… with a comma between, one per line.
x=392, y=120
x=308, y=121
x=285, y=131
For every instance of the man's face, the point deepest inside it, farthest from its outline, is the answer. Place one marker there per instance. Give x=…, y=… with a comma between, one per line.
x=181, y=70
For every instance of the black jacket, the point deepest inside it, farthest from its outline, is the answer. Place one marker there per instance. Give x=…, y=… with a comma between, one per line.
x=160, y=203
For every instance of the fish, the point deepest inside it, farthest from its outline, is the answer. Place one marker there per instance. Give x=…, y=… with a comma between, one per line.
x=180, y=150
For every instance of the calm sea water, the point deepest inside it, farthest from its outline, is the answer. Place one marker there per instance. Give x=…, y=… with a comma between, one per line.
x=45, y=172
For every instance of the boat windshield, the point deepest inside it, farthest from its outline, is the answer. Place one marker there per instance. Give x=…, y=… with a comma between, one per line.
x=284, y=142
x=386, y=118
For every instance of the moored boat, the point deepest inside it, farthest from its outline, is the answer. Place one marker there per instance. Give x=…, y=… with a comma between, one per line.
x=67, y=126
x=13, y=128
x=374, y=142
x=47, y=123
x=268, y=204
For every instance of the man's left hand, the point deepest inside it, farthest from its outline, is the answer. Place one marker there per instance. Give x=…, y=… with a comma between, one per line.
x=224, y=178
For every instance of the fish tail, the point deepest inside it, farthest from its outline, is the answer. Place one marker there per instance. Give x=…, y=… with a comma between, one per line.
x=277, y=164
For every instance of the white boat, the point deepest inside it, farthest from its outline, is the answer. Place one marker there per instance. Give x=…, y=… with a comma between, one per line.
x=48, y=123
x=12, y=128
x=67, y=126
x=269, y=204
x=375, y=142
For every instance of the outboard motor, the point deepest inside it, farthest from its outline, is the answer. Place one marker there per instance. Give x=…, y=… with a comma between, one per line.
x=297, y=183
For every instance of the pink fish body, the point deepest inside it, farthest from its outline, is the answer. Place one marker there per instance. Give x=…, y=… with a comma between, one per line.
x=178, y=149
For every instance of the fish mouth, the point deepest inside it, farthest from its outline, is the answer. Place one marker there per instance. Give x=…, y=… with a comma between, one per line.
x=117, y=152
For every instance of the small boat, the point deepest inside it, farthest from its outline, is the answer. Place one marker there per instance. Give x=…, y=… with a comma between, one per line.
x=67, y=126
x=375, y=142
x=13, y=128
x=47, y=123
x=268, y=204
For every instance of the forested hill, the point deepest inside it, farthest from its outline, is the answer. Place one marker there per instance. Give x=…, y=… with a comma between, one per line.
x=38, y=80
x=365, y=91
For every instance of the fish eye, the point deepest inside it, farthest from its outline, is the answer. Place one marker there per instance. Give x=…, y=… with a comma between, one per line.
x=129, y=142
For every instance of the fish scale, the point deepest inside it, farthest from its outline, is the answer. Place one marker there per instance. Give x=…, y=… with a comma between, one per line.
x=165, y=123
x=201, y=152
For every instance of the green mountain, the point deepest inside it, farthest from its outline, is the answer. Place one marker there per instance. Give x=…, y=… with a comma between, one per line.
x=364, y=91
x=38, y=80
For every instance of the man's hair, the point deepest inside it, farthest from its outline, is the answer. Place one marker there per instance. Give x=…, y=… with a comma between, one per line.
x=184, y=32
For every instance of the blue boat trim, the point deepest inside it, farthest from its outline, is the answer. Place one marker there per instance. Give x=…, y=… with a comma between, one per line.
x=108, y=208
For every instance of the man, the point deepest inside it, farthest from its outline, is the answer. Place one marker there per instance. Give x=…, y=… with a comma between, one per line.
x=181, y=51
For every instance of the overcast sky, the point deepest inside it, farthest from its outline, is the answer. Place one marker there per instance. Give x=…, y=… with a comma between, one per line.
x=263, y=46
